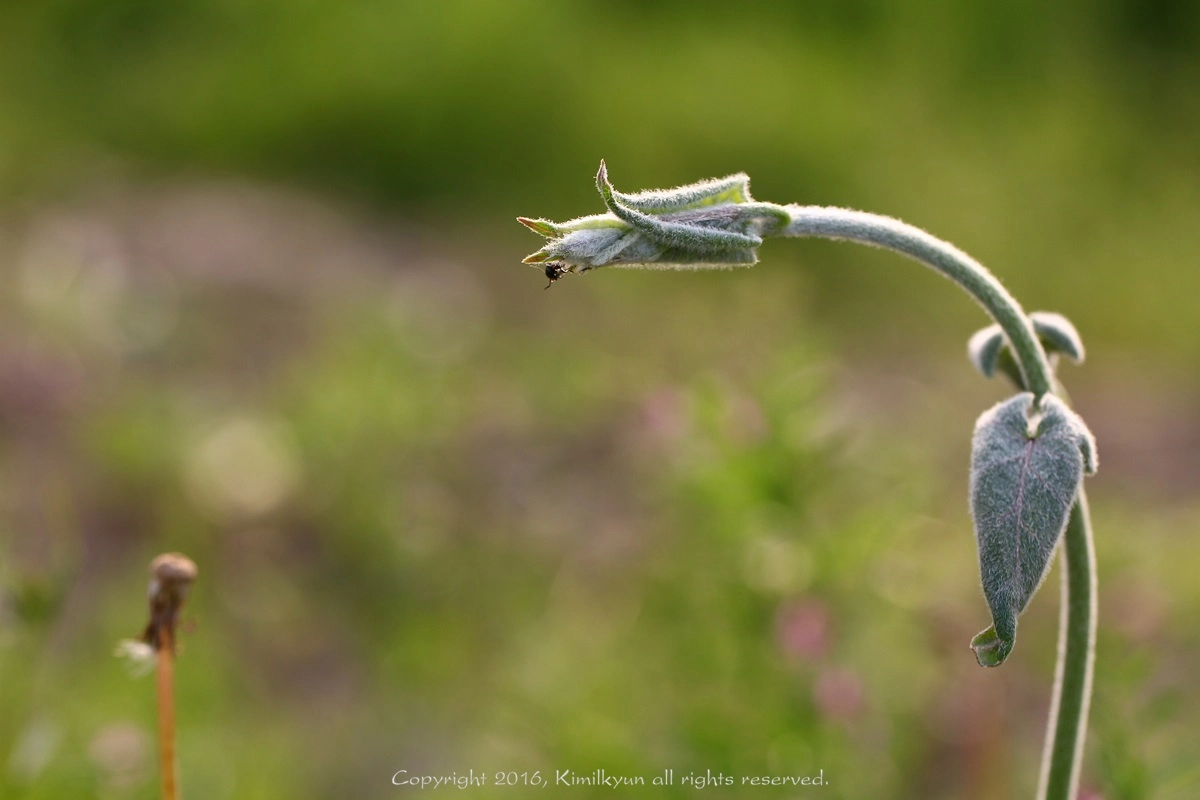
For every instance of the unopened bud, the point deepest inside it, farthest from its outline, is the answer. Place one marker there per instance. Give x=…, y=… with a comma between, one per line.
x=710, y=224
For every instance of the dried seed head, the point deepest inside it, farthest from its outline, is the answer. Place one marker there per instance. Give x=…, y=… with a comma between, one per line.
x=173, y=568
x=172, y=575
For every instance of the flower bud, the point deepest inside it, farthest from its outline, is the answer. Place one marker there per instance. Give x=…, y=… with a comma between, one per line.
x=710, y=224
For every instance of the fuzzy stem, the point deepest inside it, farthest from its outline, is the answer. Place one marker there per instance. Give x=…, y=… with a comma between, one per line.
x=1067, y=725
x=943, y=257
x=166, y=713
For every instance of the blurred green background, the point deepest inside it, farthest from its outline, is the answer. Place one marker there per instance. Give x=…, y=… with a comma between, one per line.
x=262, y=303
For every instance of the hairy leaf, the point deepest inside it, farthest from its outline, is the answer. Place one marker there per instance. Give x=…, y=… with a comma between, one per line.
x=1058, y=334
x=1026, y=467
x=990, y=353
x=983, y=348
x=710, y=233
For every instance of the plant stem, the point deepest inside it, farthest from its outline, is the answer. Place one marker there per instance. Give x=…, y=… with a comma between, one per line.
x=166, y=713
x=172, y=575
x=1067, y=725
x=892, y=234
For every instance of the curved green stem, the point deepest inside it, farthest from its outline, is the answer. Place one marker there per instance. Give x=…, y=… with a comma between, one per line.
x=1067, y=726
x=892, y=234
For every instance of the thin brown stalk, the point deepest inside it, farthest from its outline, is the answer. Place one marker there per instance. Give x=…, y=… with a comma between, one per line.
x=166, y=717
x=171, y=577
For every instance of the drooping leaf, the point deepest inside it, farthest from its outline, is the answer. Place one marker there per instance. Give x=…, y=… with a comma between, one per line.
x=1026, y=467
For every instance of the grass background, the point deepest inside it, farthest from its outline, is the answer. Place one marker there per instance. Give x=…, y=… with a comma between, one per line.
x=262, y=303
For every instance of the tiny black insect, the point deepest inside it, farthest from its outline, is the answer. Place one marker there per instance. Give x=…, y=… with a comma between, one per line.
x=554, y=271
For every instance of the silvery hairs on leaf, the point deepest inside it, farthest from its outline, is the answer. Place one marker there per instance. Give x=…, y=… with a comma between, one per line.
x=1027, y=465
x=711, y=224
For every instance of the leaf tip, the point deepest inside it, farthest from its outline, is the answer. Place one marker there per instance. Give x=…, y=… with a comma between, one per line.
x=990, y=649
x=1058, y=334
x=984, y=348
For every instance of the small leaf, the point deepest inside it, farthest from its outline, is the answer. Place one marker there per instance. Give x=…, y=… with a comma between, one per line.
x=1058, y=334
x=983, y=348
x=990, y=353
x=1026, y=468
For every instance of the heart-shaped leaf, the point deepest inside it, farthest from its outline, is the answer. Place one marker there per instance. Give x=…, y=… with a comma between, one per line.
x=1026, y=467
